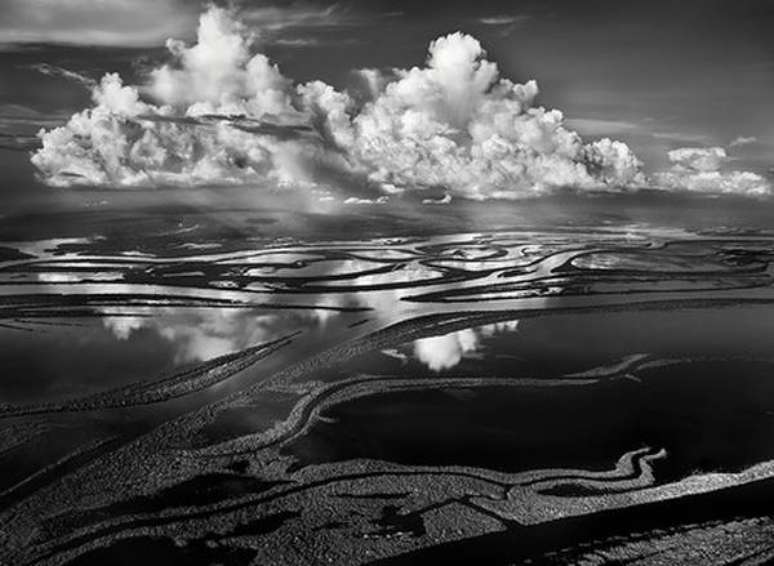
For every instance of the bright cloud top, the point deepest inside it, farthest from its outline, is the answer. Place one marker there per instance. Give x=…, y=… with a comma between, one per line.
x=219, y=114
x=700, y=170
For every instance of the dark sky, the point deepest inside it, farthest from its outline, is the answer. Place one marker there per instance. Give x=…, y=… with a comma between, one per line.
x=656, y=74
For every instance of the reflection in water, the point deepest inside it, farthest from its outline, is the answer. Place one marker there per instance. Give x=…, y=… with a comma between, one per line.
x=195, y=378
x=444, y=352
x=202, y=334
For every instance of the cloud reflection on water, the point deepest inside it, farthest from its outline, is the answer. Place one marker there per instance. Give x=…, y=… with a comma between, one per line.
x=200, y=334
x=445, y=352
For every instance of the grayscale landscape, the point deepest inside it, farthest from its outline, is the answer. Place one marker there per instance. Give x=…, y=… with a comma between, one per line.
x=400, y=313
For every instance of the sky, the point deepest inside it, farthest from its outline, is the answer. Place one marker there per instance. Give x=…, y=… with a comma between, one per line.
x=659, y=76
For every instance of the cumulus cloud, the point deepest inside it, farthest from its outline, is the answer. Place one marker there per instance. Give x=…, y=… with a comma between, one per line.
x=454, y=124
x=698, y=159
x=701, y=170
x=214, y=115
x=218, y=113
x=218, y=74
x=457, y=124
x=150, y=135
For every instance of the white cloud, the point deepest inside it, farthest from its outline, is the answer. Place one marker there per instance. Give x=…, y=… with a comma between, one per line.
x=300, y=15
x=698, y=158
x=357, y=200
x=728, y=182
x=95, y=22
x=299, y=42
x=612, y=162
x=220, y=114
x=150, y=135
x=503, y=20
x=743, y=140
x=699, y=170
x=55, y=71
x=218, y=74
x=456, y=124
x=601, y=126
x=124, y=141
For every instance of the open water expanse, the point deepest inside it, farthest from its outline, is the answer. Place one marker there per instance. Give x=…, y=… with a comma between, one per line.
x=515, y=386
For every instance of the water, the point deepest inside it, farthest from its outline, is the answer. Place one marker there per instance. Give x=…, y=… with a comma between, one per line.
x=209, y=384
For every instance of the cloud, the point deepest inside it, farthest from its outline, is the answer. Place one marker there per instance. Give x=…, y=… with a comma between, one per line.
x=457, y=124
x=301, y=24
x=88, y=22
x=505, y=24
x=299, y=15
x=699, y=170
x=742, y=140
x=55, y=71
x=298, y=42
x=601, y=126
x=219, y=113
x=730, y=182
x=218, y=73
x=214, y=115
x=357, y=200
x=454, y=124
x=502, y=20
x=304, y=42
x=124, y=142
x=681, y=137
x=698, y=159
